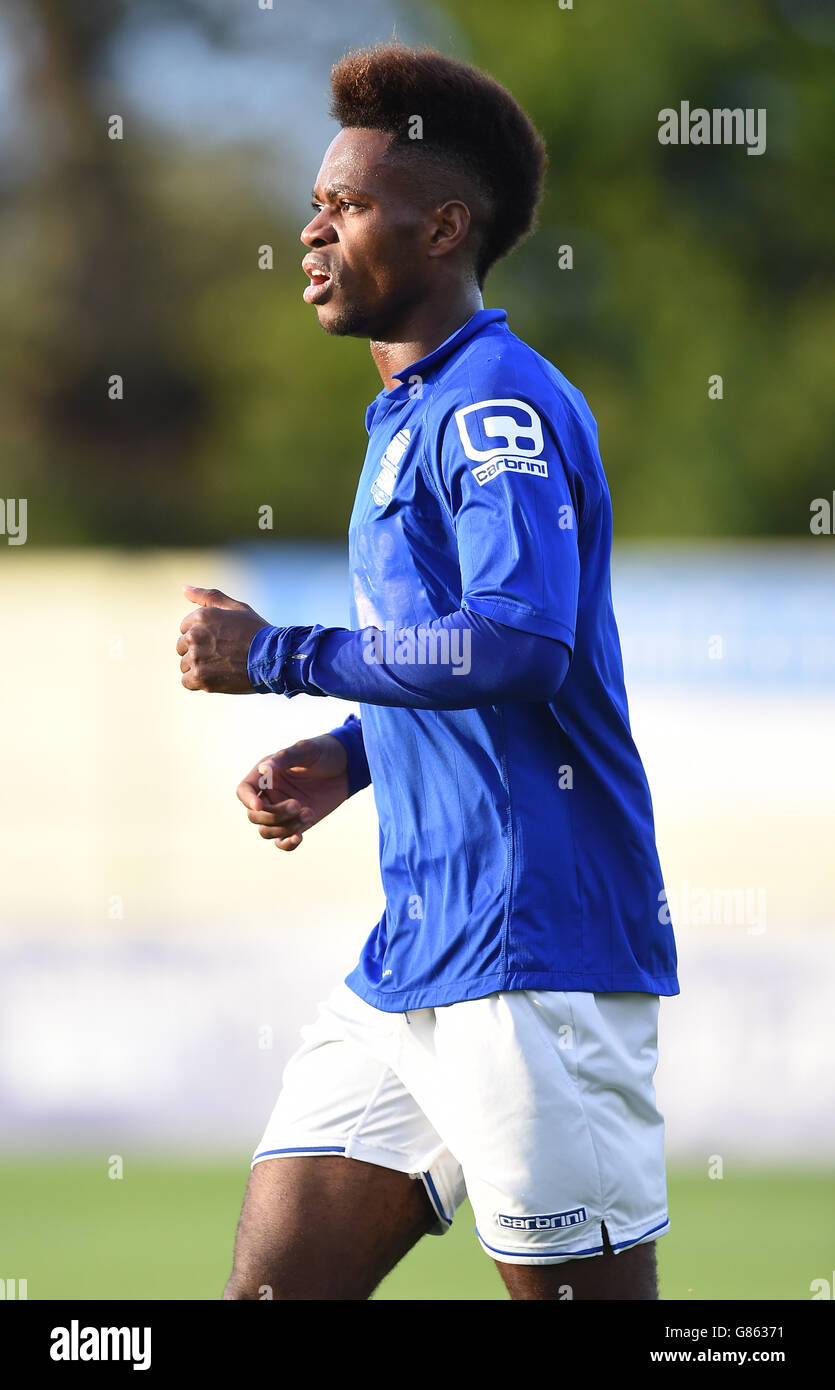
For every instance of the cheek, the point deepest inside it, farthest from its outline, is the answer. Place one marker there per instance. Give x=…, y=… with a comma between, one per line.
x=383, y=260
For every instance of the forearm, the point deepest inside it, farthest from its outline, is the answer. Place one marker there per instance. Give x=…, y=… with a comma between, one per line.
x=460, y=661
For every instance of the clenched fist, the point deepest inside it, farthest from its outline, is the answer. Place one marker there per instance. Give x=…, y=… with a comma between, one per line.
x=215, y=643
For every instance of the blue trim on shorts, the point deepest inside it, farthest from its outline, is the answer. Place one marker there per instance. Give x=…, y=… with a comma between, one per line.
x=593, y=1250
x=318, y=1149
x=435, y=1199
x=623, y=1243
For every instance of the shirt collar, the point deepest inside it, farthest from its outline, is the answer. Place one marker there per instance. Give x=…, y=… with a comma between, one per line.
x=462, y=335
x=386, y=400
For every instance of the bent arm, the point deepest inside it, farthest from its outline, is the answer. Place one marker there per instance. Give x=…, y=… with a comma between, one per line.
x=460, y=661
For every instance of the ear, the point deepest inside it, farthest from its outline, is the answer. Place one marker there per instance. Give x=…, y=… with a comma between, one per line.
x=449, y=228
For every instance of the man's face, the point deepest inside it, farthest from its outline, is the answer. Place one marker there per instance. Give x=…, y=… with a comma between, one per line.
x=364, y=242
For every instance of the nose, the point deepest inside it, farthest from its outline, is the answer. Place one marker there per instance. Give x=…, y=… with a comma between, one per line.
x=318, y=232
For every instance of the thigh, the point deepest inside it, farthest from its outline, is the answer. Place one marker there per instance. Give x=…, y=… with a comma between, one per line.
x=324, y=1227
x=627, y=1276
x=349, y=1172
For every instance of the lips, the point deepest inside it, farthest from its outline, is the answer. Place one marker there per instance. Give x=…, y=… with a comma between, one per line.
x=321, y=280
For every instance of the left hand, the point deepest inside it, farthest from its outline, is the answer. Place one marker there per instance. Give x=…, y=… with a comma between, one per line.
x=215, y=643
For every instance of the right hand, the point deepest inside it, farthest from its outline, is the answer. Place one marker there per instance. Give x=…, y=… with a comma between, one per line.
x=289, y=791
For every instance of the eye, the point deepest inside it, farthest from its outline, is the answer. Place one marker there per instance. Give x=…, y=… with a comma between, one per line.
x=346, y=203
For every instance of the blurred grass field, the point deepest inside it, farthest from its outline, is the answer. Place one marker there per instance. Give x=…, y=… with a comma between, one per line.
x=165, y=1231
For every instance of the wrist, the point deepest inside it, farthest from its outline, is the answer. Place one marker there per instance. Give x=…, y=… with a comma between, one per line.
x=267, y=658
x=349, y=735
x=336, y=750
x=278, y=660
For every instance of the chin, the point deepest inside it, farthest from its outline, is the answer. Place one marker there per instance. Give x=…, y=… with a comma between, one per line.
x=347, y=321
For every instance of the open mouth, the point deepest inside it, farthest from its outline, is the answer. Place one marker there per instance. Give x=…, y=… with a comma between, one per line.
x=321, y=281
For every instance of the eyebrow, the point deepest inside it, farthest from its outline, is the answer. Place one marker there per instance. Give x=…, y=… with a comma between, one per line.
x=337, y=188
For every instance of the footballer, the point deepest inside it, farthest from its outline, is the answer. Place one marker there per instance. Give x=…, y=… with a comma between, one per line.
x=497, y=1038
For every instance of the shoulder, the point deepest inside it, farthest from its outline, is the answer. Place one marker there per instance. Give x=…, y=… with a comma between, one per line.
x=501, y=408
x=498, y=373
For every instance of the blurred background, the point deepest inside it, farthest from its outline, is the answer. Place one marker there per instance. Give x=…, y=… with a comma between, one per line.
x=158, y=958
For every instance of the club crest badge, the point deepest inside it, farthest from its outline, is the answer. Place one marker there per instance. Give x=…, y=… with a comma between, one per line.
x=383, y=485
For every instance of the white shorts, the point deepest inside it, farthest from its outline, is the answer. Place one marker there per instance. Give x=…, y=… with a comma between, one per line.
x=536, y=1104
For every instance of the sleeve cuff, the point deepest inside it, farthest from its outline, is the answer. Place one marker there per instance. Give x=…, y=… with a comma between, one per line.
x=274, y=663
x=350, y=736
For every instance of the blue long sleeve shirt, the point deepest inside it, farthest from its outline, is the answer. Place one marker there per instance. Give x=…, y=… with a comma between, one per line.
x=517, y=843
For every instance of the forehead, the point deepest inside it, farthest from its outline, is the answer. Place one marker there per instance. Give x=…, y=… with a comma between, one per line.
x=356, y=158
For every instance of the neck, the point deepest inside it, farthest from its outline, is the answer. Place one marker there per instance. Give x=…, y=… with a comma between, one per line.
x=424, y=328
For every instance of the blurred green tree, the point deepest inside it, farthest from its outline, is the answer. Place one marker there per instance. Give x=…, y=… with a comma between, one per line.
x=139, y=258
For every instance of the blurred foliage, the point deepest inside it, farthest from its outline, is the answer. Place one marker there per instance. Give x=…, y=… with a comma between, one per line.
x=140, y=257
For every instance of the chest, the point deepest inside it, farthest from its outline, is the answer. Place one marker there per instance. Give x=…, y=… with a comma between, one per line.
x=403, y=555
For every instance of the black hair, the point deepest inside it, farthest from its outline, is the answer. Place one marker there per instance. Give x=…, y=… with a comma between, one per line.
x=471, y=127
